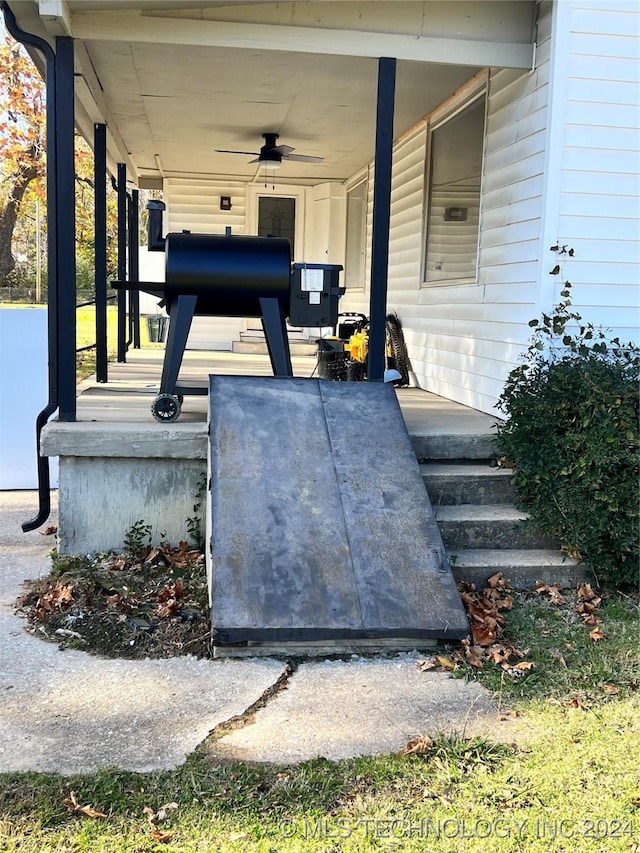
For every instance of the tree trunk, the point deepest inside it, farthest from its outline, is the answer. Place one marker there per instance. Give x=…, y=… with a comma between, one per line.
x=8, y=215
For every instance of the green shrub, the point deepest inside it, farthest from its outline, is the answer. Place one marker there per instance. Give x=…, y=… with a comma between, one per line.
x=572, y=433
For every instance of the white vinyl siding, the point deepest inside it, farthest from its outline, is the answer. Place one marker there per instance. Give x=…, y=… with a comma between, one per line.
x=599, y=181
x=194, y=205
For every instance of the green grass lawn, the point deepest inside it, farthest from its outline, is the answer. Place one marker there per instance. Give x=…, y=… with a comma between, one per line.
x=573, y=786
x=86, y=334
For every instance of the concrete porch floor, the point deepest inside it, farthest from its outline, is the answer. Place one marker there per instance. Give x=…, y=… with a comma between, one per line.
x=132, y=386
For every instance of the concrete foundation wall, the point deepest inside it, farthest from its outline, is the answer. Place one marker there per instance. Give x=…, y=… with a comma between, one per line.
x=114, y=475
x=101, y=498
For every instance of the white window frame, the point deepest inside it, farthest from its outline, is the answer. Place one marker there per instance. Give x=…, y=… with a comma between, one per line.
x=471, y=92
x=361, y=181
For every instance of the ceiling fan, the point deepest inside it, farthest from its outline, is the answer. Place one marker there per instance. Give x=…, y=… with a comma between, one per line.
x=272, y=155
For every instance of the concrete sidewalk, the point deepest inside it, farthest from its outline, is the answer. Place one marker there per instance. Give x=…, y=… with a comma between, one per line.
x=70, y=712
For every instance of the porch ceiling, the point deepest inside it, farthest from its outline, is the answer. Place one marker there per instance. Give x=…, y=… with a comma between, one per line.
x=174, y=82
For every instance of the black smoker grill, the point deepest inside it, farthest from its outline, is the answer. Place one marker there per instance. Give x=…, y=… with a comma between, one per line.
x=213, y=275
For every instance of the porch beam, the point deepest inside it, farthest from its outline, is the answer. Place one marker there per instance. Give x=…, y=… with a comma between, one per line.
x=56, y=16
x=134, y=27
x=91, y=96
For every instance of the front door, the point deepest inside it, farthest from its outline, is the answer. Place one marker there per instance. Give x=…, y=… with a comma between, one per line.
x=277, y=218
x=277, y=212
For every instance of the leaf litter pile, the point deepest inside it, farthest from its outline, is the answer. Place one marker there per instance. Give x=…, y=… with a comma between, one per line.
x=485, y=610
x=151, y=604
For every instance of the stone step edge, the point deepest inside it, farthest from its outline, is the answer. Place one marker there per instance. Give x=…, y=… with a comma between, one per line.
x=453, y=447
x=462, y=468
x=493, y=513
x=523, y=568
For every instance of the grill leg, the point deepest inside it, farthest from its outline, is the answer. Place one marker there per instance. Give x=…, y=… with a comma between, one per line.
x=275, y=331
x=180, y=317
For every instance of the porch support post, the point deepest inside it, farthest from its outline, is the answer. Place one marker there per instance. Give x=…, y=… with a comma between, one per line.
x=134, y=267
x=100, y=257
x=121, y=189
x=381, y=217
x=64, y=165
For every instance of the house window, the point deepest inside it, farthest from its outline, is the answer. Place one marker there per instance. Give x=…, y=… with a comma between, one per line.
x=453, y=211
x=356, y=236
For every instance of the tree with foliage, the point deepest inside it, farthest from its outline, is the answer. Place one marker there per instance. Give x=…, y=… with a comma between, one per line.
x=22, y=141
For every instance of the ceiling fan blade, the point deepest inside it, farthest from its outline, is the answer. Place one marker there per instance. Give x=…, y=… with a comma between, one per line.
x=304, y=158
x=285, y=150
x=224, y=151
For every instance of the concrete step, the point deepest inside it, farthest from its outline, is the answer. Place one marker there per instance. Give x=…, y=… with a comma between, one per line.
x=453, y=447
x=489, y=526
x=467, y=483
x=521, y=567
x=257, y=347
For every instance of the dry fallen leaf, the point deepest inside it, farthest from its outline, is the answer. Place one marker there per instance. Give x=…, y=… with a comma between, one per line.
x=172, y=590
x=597, y=634
x=610, y=689
x=49, y=531
x=473, y=654
x=161, y=814
x=58, y=598
x=162, y=836
x=168, y=608
x=508, y=715
x=427, y=664
x=498, y=653
x=71, y=802
x=154, y=556
x=418, y=746
x=445, y=663
x=585, y=592
x=520, y=669
x=554, y=591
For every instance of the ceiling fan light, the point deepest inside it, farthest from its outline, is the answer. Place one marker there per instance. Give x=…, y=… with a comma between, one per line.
x=271, y=164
